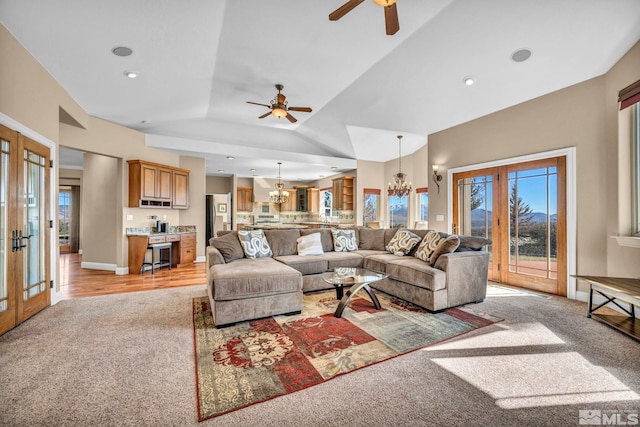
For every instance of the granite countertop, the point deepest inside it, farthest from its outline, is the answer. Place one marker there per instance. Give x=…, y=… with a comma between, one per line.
x=275, y=226
x=151, y=231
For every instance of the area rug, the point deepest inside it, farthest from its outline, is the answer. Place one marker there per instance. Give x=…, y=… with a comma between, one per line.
x=254, y=361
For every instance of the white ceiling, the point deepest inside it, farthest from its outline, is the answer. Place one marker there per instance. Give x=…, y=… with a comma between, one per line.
x=200, y=61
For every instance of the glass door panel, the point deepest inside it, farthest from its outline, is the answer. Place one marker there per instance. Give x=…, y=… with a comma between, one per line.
x=473, y=201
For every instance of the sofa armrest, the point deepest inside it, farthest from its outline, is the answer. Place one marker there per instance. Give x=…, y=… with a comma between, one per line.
x=467, y=274
x=214, y=256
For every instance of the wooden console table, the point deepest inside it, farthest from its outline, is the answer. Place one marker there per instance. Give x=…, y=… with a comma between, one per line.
x=615, y=288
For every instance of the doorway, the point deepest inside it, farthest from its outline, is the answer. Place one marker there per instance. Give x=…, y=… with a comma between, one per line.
x=24, y=228
x=521, y=208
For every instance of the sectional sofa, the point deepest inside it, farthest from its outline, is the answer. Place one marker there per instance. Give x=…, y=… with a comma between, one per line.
x=242, y=288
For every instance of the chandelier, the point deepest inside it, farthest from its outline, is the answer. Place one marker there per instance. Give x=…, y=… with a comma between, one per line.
x=279, y=195
x=400, y=187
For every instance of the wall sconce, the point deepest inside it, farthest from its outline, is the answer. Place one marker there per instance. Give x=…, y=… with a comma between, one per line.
x=436, y=176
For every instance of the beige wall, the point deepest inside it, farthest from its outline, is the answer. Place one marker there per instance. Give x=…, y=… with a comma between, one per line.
x=195, y=215
x=31, y=97
x=582, y=116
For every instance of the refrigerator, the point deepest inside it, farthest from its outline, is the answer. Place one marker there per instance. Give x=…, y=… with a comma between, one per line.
x=210, y=218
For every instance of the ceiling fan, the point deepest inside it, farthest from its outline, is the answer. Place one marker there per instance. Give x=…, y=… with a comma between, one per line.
x=390, y=13
x=279, y=107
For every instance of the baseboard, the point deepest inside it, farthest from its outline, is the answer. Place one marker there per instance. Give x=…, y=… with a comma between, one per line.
x=201, y=259
x=98, y=266
x=599, y=299
x=56, y=297
x=122, y=271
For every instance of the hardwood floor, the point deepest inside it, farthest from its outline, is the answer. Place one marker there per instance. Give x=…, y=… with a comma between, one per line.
x=78, y=282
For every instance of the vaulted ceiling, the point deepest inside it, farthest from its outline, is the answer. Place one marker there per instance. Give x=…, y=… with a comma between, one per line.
x=198, y=62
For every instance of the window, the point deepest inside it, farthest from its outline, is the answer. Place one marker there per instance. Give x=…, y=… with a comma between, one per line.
x=326, y=199
x=398, y=211
x=371, y=205
x=423, y=203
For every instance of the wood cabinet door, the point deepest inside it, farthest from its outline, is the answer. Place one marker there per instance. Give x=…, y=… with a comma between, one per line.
x=148, y=182
x=164, y=184
x=180, y=190
x=313, y=200
x=338, y=198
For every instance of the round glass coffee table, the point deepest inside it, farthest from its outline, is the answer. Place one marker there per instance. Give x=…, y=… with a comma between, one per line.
x=357, y=278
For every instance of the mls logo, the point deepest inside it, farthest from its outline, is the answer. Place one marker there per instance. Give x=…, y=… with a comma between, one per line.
x=590, y=418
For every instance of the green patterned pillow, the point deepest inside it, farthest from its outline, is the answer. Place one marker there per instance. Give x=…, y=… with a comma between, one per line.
x=344, y=240
x=428, y=245
x=402, y=242
x=254, y=244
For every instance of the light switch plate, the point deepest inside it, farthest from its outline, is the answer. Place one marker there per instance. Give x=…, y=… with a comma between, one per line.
x=129, y=217
x=439, y=217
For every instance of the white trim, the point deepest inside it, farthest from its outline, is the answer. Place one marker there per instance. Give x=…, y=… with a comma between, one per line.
x=201, y=258
x=599, y=299
x=570, y=155
x=629, y=241
x=53, y=182
x=98, y=266
x=122, y=271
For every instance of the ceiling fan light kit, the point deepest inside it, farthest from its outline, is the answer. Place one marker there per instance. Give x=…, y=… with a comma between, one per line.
x=280, y=107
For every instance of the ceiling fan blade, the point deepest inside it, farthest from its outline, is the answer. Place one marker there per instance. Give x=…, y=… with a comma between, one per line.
x=281, y=98
x=391, y=19
x=303, y=109
x=291, y=118
x=344, y=9
x=265, y=115
x=255, y=103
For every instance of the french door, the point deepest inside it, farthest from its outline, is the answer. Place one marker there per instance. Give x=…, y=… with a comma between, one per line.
x=24, y=228
x=521, y=208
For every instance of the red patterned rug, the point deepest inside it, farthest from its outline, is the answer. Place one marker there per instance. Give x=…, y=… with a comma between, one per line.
x=251, y=362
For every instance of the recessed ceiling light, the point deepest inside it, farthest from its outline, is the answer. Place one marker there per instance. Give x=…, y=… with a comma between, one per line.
x=321, y=176
x=520, y=55
x=230, y=157
x=253, y=170
x=121, y=51
x=144, y=122
x=220, y=170
x=131, y=74
x=333, y=168
x=468, y=81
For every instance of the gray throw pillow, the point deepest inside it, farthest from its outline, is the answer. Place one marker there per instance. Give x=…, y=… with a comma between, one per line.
x=428, y=244
x=228, y=246
x=254, y=244
x=371, y=239
x=402, y=243
x=344, y=240
x=446, y=246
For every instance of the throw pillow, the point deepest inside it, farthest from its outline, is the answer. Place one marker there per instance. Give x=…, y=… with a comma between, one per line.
x=228, y=246
x=310, y=244
x=344, y=240
x=254, y=244
x=371, y=239
x=428, y=244
x=445, y=246
x=402, y=243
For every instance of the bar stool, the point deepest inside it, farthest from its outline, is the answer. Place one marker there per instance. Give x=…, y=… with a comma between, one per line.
x=161, y=262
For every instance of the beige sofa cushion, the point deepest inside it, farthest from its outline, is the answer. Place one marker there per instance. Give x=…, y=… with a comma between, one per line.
x=371, y=239
x=379, y=262
x=417, y=272
x=248, y=278
x=283, y=242
x=343, y=259
x=305, y=264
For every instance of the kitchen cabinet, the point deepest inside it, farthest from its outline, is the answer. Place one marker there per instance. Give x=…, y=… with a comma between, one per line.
x=342, y=193
x=180, y=193
x=244, y=199
x=187, y=248
x=301, y=199
x=313, y=200
x=290, y=204
x=156, y=185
